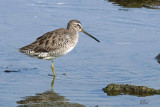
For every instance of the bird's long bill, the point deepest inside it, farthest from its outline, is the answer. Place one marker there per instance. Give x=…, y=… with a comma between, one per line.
x=90, y=35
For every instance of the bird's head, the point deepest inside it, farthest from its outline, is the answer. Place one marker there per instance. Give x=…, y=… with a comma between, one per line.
x=76, y=26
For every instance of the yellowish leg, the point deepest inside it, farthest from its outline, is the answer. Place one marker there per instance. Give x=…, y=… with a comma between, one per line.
x=53, y=68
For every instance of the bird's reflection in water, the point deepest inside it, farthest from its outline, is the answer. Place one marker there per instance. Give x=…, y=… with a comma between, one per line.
x=52, y=83
x=47, y=99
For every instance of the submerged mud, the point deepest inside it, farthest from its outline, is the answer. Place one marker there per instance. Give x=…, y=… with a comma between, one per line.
x=126, y=89
x=152, y=4
x=47, y=99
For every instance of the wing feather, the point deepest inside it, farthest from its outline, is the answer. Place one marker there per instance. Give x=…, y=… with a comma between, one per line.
x=50, y=41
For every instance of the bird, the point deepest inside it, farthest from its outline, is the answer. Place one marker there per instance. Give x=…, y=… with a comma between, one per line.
x=55, y=43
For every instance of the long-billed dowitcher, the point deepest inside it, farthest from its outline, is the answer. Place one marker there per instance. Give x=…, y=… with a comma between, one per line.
x=56, y=43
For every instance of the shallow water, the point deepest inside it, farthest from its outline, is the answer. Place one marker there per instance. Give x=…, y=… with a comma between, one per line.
x=129, y=43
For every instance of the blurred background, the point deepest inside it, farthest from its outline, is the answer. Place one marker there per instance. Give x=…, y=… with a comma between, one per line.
x=129, y=34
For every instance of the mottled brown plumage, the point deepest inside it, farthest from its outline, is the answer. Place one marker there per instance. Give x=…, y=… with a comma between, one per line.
x=55, y=43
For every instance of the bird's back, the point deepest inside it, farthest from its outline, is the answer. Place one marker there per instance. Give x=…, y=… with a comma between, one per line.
x=52, y=44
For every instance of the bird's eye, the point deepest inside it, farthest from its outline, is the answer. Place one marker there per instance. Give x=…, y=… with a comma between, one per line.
x=79, y=25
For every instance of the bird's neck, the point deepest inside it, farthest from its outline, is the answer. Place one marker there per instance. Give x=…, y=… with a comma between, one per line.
x=72, y=30
x=74, y=35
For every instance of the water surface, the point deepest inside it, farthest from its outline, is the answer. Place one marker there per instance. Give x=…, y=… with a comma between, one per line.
x=129, y=43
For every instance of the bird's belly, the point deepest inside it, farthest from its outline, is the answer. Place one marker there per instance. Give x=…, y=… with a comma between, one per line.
x=68, y=50
x=64, y=51
x=58, y=53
